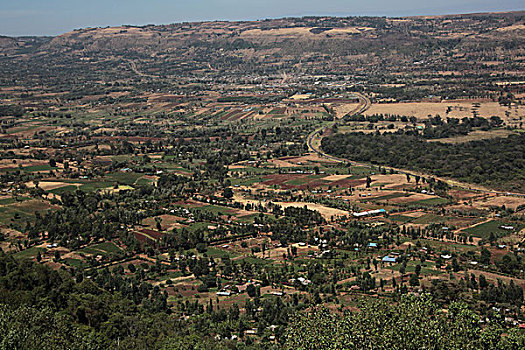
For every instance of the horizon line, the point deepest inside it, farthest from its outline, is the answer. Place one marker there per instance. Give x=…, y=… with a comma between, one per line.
x=265, y=19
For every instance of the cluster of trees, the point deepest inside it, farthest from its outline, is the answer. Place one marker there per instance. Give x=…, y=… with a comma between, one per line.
x=480, y=289
x=496, y=162
x=46, y=309
x=436, y=128
x=304, y=216
x=82, y=218
x=11, y=111
x=413, y=323
x=41, y=308
x=374, y=118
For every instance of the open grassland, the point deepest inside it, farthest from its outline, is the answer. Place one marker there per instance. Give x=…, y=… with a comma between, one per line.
x=462, y=109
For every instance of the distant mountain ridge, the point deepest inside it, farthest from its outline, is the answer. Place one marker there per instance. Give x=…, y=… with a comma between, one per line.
x=313, y=45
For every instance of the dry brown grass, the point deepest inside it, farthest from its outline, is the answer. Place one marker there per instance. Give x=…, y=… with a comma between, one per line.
x=282, y=163
x=390, y=181
x=343, y=109
x=414, y=214
x=335, y=177
x=413, y=198
x=475, y=135
x=461, y=109
x=50, y=185
x=509, y=202
x=168, y=222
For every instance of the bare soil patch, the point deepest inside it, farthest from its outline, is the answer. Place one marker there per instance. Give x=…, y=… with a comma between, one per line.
x=335, y=177
x=326, y=212
x=509, y=202
x=413, y=198
x=414, y=214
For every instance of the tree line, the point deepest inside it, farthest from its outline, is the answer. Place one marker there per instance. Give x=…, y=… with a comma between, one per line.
x=496, y=162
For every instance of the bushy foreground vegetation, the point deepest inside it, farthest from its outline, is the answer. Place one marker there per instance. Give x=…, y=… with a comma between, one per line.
x=45, y=309
x=414, y=323
x=41, y=308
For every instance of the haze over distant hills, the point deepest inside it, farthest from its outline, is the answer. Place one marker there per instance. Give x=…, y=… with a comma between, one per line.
x=313, y=45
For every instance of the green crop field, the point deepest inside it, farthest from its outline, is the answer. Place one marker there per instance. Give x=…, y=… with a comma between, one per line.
x=431, y=202
x=388, y=196
x=7, y=201
x=34, y=168
x=29, y=253
x=484, y=230
x=107, y=247
x=123, y=178
x=430, y=219
x=103, y=249
x=219, y=253
x=74, y=262
x=401, y=218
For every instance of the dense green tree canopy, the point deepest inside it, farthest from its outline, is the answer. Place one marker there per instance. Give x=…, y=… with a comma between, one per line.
x=496, y=162
x=414, y=323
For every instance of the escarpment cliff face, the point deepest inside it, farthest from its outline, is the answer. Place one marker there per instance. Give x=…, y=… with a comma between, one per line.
x=369, y=47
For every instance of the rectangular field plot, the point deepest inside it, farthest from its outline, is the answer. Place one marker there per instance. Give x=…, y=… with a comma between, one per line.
x=494, y=226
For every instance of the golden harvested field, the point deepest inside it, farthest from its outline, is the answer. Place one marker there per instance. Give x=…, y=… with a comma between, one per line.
x=326, y=212
x=509, y=202
x=312, y=157
x=390, y=181
x=343, y=109
x=51, y=185
x=335, y=177
x=461, y=109
x=300, y=97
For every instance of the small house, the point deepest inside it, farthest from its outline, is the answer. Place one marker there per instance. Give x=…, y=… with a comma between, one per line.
x=388, y=259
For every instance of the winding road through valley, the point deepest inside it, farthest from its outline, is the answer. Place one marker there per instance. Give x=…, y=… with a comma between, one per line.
x=364, y=104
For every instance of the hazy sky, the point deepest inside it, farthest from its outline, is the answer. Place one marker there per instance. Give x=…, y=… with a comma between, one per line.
x=52, y=17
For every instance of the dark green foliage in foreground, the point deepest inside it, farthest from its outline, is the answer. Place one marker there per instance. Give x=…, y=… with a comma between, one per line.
x=41, y=328
x=414, y=323
x=41, y=308
x=45, y=309
x=495, y=162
